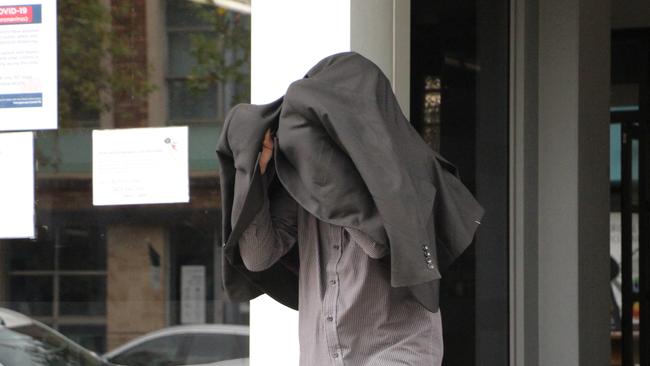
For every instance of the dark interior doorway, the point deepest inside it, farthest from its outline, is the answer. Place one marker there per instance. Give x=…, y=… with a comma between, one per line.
x=459, y=104
x=629, y=110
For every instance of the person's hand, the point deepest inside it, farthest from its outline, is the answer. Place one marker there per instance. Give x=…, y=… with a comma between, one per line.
x=267, y=150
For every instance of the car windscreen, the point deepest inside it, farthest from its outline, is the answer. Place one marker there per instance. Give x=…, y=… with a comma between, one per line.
x=35, y=345
x=207, y=348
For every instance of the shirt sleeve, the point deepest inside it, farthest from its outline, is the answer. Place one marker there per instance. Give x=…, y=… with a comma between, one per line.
x=273, y=231
x=369, y=246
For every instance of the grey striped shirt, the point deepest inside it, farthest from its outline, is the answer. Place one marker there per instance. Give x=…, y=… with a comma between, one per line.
x=348, y=312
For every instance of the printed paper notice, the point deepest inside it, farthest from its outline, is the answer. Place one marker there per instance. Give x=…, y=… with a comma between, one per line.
x=28, y=81
x=140, y=166
x=192, y=294
x=16, y=185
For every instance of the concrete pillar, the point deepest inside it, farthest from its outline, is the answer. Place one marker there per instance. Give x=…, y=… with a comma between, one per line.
x=135, y=300
x=574, y=69
x=288, y=37
x=524, y=167
x=560, y=182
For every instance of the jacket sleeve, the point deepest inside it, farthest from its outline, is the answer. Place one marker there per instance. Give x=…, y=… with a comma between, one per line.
x=273, y=231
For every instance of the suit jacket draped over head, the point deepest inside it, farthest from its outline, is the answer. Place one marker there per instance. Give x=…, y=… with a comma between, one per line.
x=344, y=150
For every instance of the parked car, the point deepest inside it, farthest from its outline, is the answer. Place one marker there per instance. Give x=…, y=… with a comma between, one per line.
x=27, y=342
x=207, y=344
x=236, y=362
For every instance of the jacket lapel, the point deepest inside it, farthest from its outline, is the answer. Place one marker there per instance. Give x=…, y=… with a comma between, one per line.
x=250, y=205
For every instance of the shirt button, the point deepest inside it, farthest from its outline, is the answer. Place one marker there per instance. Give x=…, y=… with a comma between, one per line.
x=332, y=282
x=335, y=355
x=336, y=246
x=330, y=318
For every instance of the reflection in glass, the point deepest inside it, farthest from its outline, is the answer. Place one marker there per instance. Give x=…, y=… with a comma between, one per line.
x=31, y=295
x=125, y=64
x=81, y=249
x=203, y=105
x=206, y=348
x=29, y=255
x=162, y=351
x=459, y=104
x=83, y=295
x=91, y=337
x=35, y=345
x=431, y=112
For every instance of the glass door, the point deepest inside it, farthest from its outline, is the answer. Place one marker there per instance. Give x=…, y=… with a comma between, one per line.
x=459, y=104
x=629, y=198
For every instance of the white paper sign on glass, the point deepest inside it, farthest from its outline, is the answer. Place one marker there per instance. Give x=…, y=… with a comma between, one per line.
x=28, y=60
x=140, y=166
x=16, y=185
x=192, y=294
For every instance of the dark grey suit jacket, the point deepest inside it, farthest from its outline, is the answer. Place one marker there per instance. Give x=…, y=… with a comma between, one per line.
x=346, y=153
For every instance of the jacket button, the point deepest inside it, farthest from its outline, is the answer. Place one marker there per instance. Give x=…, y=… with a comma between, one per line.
x=431, y=266
x=429, y=261
x=425, y=247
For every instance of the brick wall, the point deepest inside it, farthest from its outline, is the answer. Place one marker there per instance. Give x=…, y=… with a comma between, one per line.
x=129, y=23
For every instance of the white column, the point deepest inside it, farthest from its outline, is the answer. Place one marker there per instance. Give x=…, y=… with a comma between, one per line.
x=288, y=38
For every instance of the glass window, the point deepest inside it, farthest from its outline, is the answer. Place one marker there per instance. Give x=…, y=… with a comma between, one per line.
x=29, y=255
x=64, y=284
x=181, y=13
x=202, y=103
x=459, y=104
x=32, y=295
x=83, y=295
x=181, y=60
x=628, y=187
x=81, y=249
x=103, y=275
x=208, y=57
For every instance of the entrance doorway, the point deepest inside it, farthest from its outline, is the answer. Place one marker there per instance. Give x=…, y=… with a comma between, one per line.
x=630, y=255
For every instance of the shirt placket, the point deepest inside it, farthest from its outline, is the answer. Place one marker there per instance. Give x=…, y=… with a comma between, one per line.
x=331, y=297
